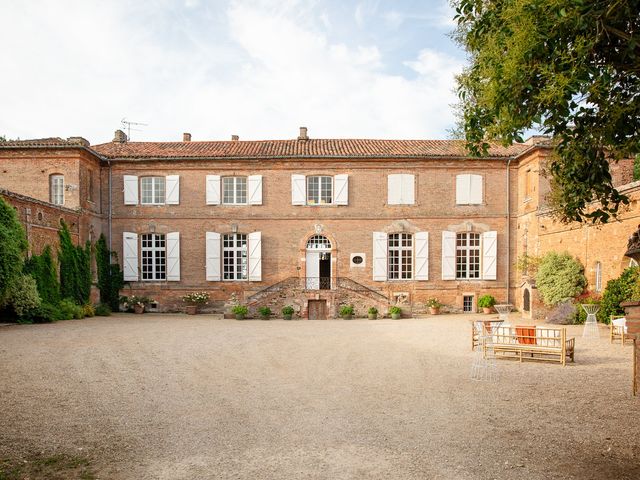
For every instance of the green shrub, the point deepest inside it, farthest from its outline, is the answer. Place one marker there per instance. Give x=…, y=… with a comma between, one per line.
x=346, y=310
x=288, y=310
x=43, y=269
x=264, y=311
x=46, y=313
x=617, y=291
x=68, y=309
x=110, y=279
x=373, y=311
x=395, y=310
x=240, y=310
x=88, y=310
x=13, y=246
x=24, y=296
x=103, y=310
x=560, y=276
x=486, y=301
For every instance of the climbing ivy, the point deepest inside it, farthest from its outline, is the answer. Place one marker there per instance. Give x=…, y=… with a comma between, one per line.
x=110, y=279
x=43, y=269
x=75, y=267
x=13, y=246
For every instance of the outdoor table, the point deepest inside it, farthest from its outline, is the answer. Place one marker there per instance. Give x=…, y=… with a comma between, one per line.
x=591, y=324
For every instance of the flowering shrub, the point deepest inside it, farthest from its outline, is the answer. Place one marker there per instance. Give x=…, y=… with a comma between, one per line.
x=140, y=301
x=433, y=303
x=196, y=298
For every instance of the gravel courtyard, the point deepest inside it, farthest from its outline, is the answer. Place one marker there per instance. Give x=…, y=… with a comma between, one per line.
x=177, y=397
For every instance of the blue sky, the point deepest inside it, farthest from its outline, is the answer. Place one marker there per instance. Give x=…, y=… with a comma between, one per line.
x=259, y=69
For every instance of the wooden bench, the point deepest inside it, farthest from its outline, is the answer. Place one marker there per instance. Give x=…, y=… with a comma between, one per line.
x=533, y=343
x=618, y=329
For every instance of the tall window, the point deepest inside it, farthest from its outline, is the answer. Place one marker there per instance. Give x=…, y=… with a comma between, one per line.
x=467, y=255
x=56, y=189
x=319, y=190
x=400, y=256
x=234, y=190
x=152, y=190
x=598, y=277
x=234, y=256
x=154, y=257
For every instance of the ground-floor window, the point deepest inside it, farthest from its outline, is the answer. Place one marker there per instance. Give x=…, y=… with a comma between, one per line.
x=154, y=257
x=234, y=254
x=467, y=303
x=400, y=256
x=467, y=255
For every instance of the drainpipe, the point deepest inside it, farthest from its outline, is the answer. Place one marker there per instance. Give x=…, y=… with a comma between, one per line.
x=109, y=224
x=508, y=256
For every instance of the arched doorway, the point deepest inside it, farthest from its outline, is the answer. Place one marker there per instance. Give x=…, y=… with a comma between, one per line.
x=318, y=263
x=526, y=300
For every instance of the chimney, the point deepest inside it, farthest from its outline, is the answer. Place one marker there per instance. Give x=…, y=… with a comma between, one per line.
x=119, y=137
x=235, y=138
x=186, y=137
x=303, y=134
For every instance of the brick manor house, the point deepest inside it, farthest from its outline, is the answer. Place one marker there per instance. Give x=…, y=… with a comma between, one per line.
x=314, y=223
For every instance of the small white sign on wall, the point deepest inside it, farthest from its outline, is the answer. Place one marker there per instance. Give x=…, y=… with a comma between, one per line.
x=358, y=260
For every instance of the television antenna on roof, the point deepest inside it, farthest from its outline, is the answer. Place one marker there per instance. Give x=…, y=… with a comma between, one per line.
x=126, y=124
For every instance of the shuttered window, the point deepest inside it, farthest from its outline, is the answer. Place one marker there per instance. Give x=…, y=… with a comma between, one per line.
x=467, y=255
x=234, y=190
x=56, y=187
x=400, y=256
x=152, y=190
x=154, y=256
x=319, y=190
x=234, y=256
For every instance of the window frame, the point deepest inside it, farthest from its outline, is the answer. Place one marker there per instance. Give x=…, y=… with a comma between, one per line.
x=598, y=275
x=158, y=256
x=237, y=271
x=235, y=189
x=154, y=189
x=465, y=252
x=320, y=186
x=53, y=195
x=398, y=271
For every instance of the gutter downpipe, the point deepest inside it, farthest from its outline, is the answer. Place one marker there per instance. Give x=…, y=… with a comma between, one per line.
x=109, y=225
x=508, y=227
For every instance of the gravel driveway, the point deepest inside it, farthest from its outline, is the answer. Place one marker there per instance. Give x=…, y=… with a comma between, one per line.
x=177, y=397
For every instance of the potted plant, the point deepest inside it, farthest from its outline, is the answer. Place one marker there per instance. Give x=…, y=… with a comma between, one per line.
x=346, y=312
x=395, y=312
x=486, y=302
x=373, y=313
x=194, y=300
x=139, y=303
x=287, y=312
x=265, y=313
x=434, y=306
x=240, y=311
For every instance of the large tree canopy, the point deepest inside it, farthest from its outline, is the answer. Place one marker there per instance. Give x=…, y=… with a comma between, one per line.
x=568, y=68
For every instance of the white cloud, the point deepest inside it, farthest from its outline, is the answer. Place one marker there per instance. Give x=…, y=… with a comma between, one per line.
x=257, y=69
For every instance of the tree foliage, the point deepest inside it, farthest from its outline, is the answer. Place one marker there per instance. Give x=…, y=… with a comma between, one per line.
x=617, y=291
x=43, y=269
x=13, y=246
x=559, y=277
x=24, y=296
x=110, y=278
x=569, y=68
x=75, y=267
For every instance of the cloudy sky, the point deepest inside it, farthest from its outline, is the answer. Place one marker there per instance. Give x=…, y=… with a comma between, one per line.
x=256, y=68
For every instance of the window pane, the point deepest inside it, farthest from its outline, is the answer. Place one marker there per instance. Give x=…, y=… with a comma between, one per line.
x=241, y=190
x=154, y=256
x=400, y=256
x=313, y=190
x=234, y=257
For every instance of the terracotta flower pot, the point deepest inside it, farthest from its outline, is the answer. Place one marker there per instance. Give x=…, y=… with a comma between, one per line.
x=434, y=310
x=139, y=309
x=486, y=310
x=192, y=309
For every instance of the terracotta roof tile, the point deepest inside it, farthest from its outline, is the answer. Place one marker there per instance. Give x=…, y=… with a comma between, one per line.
x=315, y=148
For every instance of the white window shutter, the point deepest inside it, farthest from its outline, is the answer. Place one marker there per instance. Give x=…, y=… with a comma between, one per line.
x=173, y=256
x=489, y=255
x=213, y=256
x=172, y=185
x=298, y=189
x=448, y=255
x=394, y=189
x=254, y=187
x=213, y=189
x=408, y=189
x=422, y=255
x=379, y=256
x=255, y=256
x=130, y=190
x=130, y=256
x=475, y=189
x=341, y=189
x=462, y=189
